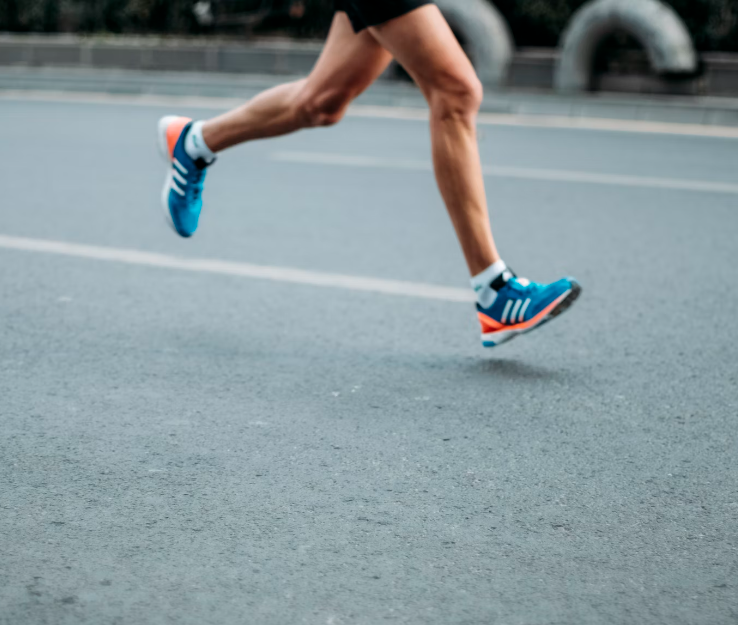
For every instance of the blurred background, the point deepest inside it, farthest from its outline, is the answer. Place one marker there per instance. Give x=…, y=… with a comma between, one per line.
x=534, y=29
x=539, y=23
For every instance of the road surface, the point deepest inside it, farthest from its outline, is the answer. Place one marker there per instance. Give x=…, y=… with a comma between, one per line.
x=308, y=431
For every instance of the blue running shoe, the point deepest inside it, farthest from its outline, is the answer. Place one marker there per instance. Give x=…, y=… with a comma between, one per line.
x=522, y=306
x=181, y=197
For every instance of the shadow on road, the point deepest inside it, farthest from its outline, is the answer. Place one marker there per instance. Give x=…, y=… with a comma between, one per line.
x=515, y=370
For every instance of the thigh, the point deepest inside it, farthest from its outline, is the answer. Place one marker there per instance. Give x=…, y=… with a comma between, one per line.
x=350, y=61
x=424, y=44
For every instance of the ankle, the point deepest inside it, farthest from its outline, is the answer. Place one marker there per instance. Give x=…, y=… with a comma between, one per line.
x=196, y=145
x=482, y=283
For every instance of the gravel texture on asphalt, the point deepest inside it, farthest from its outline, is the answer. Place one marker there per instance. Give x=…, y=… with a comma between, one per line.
x=195, y=449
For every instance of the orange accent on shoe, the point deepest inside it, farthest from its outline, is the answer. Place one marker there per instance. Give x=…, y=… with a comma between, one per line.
x=173, y=131
x=489, y=325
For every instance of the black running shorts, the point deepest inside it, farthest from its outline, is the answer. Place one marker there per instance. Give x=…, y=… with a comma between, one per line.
x=363, y=13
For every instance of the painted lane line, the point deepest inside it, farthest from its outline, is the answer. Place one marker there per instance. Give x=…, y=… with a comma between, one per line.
x=520, y=120
x=350, y=160
x=561, y=122
x=523, y=173
x=242, y=270
x=582, y=177
x=608, y=125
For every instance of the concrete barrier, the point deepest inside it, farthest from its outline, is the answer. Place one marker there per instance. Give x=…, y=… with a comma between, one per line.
x=165, y=54
x=486, y=37
x=531, y=68
x=654, y=24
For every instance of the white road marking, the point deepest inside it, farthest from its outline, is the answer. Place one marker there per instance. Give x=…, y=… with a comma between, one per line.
x=389, y=112
x=609, y=125
x=524, y=173
x=558, y=121
x=350, y=160
x=243, y=270
x=555, y=175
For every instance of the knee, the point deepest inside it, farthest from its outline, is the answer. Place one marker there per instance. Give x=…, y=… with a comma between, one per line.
x=323, y=108
x=457, y=97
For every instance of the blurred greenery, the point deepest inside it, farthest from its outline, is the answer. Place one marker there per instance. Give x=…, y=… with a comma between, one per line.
x=713, y=23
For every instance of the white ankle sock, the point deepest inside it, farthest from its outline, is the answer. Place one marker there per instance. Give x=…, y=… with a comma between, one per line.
x=195, y=145
x=486, y=295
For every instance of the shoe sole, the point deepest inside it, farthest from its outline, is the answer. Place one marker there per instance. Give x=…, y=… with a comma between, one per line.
x=164, y=151
x=494, y=339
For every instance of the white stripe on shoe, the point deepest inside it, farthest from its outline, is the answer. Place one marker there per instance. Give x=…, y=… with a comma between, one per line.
x=515, y=309
x=176, y=189
x=507, y=310
x=179, y=166
x=178, y=177
x=522, y=311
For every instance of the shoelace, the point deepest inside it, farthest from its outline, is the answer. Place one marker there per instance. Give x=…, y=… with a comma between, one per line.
x=524, y=288
x=196, y=185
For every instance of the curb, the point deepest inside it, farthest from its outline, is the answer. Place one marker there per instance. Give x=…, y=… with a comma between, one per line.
x=283, y=57
x=529, y=68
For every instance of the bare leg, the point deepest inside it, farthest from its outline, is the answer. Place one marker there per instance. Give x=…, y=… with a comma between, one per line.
x=426, y=47
x=349, y=63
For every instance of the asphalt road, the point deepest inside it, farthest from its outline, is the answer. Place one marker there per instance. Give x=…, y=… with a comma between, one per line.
x=193, y=448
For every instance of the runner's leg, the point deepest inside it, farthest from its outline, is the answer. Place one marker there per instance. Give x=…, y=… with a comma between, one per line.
x=507, y=306
x=426, y=47
x=422, y=41
x=349, y=63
